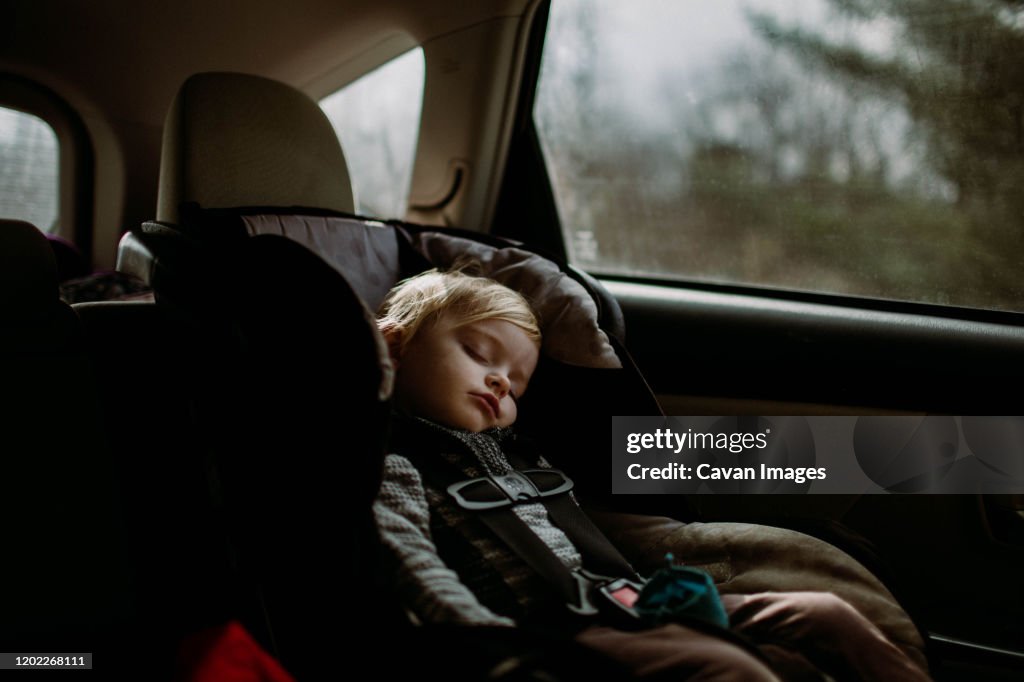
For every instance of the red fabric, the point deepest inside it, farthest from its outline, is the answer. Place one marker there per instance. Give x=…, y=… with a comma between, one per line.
x=227, y=654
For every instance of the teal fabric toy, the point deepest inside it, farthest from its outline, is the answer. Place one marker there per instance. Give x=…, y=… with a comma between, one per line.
x=679, y=594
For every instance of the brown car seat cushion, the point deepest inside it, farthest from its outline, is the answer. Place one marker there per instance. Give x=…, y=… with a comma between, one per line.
x=746, y=558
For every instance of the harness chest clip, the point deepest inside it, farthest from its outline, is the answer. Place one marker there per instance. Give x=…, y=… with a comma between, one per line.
x=612, y=597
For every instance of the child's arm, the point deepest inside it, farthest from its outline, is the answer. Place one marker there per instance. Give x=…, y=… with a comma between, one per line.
x=433, y=590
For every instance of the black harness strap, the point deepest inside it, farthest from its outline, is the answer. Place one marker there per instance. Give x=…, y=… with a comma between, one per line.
x=599, y=555
x=531, y=549
x=598, y=552
x=511, y=529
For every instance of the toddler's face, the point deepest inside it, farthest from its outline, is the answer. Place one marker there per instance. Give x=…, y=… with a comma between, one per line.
x=466, y=377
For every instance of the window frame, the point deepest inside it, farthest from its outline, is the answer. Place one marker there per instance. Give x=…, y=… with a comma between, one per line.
x=75, y=159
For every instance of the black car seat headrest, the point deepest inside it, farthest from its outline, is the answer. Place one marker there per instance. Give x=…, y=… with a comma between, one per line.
x=28, y=271
x=366, y=252
x=238, y=140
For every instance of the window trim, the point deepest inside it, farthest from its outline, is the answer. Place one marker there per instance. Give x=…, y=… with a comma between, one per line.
x=526, y=209
x=75, y=158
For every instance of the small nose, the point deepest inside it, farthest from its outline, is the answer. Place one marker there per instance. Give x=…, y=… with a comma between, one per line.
x=499, y=383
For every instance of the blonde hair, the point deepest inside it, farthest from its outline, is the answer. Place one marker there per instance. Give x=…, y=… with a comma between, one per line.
x=425, y=298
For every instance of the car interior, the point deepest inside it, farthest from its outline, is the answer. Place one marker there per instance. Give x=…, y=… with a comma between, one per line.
x=203, y=204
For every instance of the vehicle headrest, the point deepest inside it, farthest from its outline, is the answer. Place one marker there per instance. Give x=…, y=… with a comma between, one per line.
x=235, y=140
x=28, y=270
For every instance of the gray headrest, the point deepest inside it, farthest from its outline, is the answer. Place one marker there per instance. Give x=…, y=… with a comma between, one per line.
x=365, y=252
x=566, y=312
x=238, y=140
x=28, y=270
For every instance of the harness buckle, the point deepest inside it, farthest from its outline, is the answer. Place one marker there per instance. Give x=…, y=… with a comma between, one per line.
x=613, y=597
x=517, y=487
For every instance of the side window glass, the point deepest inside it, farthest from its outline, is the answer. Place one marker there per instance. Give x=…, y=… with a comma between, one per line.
x=377, y=119
x=29, y=165
x=872, y=149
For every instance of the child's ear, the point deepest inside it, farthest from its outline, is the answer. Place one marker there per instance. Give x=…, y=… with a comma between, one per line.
x=393, y=337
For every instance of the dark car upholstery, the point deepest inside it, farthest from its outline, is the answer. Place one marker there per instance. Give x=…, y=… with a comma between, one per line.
x=61, y=507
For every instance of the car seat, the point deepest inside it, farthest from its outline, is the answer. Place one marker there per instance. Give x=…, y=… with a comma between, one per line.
x=65, y=569
x=220, y=263
x=585, y=360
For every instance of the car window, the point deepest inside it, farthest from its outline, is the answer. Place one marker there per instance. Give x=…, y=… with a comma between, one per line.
x=870, y=149
x=29, y=165
x=377, y=119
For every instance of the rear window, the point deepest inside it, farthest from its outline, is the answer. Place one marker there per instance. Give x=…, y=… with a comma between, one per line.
x=868, y=149
x=377, y=119
x=29, y=164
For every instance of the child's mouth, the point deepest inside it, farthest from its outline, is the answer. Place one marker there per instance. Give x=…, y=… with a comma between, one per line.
x=491, y=402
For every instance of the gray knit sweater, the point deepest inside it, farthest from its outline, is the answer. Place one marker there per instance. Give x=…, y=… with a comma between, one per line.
x=409, y=514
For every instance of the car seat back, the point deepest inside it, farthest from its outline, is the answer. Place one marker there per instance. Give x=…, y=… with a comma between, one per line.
x=65, y=567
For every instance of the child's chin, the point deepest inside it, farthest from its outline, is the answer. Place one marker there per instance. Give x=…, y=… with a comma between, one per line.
x=471, y=425
x=476, y=427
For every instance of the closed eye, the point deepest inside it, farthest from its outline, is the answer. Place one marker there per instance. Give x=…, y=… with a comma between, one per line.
x=472, y=353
